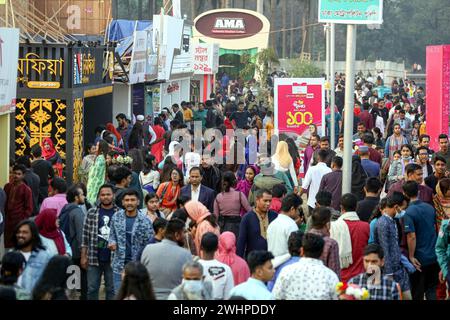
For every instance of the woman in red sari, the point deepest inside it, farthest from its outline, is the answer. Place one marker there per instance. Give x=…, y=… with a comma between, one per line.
x=157, y=146
x=50, y=154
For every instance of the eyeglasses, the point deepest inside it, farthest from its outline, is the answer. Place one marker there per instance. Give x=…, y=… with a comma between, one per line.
x=423, y=154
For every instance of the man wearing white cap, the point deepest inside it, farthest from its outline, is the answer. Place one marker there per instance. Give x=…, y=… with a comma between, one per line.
x=140, y=118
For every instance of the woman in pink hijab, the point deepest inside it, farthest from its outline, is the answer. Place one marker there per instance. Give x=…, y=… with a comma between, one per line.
x=204, y=220
x=227, y=254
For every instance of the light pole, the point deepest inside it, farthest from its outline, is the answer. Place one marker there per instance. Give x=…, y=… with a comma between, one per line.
x=332, y=92
x=349, y=106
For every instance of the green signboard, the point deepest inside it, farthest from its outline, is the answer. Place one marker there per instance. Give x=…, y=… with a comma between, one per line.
x=351, y=11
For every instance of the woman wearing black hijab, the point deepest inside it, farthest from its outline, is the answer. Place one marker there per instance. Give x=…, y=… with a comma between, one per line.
x=359, y=177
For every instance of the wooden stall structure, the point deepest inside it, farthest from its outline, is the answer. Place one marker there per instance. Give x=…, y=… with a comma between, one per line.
x=56, y=87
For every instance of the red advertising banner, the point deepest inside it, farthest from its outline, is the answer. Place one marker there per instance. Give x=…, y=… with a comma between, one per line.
x=438, y=92
x=298, y=104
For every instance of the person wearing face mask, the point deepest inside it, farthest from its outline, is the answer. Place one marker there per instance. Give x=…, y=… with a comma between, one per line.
x=397, y=168
x=192, y=286
x=386, y=236
x=166, y=270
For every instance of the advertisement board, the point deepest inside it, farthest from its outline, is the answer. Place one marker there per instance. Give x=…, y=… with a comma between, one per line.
x=299, y=103
x=351, y=11
x=438, y=93
x=206, y=58
x=9, y=55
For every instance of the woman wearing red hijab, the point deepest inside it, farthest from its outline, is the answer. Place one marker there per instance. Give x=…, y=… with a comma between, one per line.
x=51, y=155
x=157, y=140
x=118, y=138
x=52, y=237
x=227, y=254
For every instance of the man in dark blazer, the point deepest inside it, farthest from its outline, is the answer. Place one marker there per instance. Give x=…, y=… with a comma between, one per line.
x=196, y=191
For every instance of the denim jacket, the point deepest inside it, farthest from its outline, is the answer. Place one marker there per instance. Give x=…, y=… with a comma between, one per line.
x=34, y=268
x=141, y=235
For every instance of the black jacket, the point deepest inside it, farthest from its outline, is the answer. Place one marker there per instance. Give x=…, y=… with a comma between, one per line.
x=206, y=196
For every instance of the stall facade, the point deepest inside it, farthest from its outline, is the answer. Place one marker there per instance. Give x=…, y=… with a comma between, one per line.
x=63, y=93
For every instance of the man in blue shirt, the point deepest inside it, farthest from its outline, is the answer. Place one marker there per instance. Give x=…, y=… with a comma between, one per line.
x=262, y=271
x=420, y=227
x=254, y=225
x=371, y=168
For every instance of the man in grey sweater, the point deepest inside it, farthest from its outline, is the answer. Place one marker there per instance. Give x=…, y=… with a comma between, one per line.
x=164, y=261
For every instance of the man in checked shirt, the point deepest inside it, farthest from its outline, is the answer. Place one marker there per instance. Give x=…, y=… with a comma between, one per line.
x=381, y=287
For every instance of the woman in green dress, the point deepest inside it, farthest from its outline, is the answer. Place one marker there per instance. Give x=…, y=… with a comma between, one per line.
x=97, y=173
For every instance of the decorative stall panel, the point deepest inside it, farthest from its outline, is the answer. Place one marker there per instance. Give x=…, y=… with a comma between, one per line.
x=37, y=119
x=78, y=106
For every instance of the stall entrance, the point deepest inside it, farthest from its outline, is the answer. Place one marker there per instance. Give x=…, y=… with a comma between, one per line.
x=97, y=112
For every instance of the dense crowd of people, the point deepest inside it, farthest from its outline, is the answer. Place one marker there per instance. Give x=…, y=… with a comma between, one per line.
x=153, y=216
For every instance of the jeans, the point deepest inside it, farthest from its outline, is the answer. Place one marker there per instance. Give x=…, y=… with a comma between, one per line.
x=94, y=276
x=425, y=283
x=117, y=279
x=83, y=279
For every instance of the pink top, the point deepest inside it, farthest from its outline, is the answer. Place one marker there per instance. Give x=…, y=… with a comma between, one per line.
x=230, y=203
x=58, y=201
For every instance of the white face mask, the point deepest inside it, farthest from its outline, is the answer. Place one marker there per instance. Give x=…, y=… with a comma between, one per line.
x=400, y=214
x=193, y=289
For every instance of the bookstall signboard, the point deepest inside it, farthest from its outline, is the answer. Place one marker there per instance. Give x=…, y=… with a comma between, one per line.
x=351, y=11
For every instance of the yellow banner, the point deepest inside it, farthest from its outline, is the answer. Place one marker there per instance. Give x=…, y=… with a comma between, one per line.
x=43, y=84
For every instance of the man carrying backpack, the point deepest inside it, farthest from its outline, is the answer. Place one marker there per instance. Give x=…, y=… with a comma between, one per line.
x=71, y=222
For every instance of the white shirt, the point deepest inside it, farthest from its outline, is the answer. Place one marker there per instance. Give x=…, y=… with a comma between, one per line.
x=312, y=181
x=150, y=178
x=26, y=255
x=195, y=193
x=379, y=123
x=220, y=276
x=278, y=234
x=191, y=160
x=308, y=279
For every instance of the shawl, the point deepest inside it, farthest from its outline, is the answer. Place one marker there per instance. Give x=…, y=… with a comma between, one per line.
x=244, y=185
x=46, y=223
x=227, y=254
x=395, y=144
x=442, y=205
x=47, y=154
x=168, y=195
x=340, y=232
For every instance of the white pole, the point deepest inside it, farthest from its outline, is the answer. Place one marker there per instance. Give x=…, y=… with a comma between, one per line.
x=332, y=93
x=349, y=106
x=260, y=6
x=7, y=14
